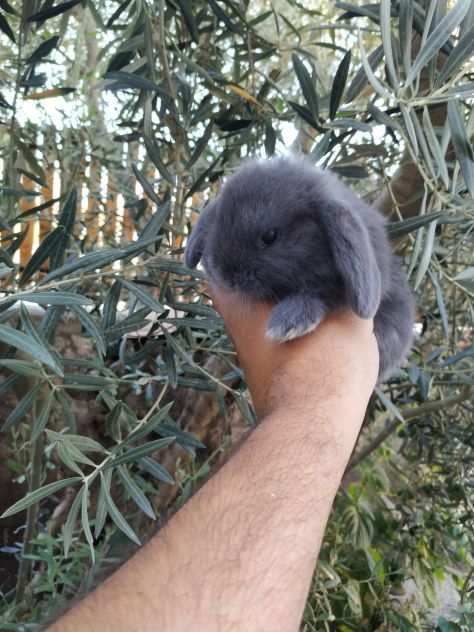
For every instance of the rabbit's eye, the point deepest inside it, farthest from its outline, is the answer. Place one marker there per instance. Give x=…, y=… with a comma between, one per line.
x=269, y=236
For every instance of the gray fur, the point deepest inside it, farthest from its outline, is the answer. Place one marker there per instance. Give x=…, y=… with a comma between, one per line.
x=330, y=251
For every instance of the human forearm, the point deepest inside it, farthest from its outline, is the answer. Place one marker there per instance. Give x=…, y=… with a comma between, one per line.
x=246, y=544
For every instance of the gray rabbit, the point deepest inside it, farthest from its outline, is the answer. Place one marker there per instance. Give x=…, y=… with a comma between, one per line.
x=284, y=231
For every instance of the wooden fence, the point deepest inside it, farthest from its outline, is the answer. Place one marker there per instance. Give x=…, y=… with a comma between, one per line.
x=102, y=216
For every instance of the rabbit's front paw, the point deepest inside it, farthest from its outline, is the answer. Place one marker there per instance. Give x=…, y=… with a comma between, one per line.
x=293, y=317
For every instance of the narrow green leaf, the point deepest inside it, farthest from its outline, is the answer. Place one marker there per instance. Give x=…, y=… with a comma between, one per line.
x=465, y=275
x=142, y=450
x=322, y=146
x=374, y=82
x=462, y=146
x=30, y=158
x=130, y=80
x=156, y=470
x=425, y=151
x=146, y=186
x=171, y=369
x=190, y=20
x=170, y=428
x=196, y=186
x=37, y=179
x=66, y=223
x=7, y=7
x=346, y=123
x=64, y=453
x=154, y=154
x=22, y=368
x=142, y=296
x=53, y=298
x=222, y=15
x=135, y=492
x=350, y=171
x=43, y=50
x=156, y=221
x=5, y=27
x=51, y=12
x=427, y=253
x=110, y=305
x=101, y=512
x=304, y=113
x=73, y=444
x=435, y=147
x=117, y=13
x=45, y=250
x=386, y=30
x=92, y=329
x=9, y=383
x=410, y=128
x=438, y=38
x=381, y=117
x=389, y=405
x=28, y=345
x=67, y=411
x=149, y=44
x=85, y=521
x=201, y=145
x=34, y=211
x=86, y=444
x=307, y=86
x=38, y=494
x=459, y=55
x=406, y=31
x=149, y=426
x=398, y=229
x=339, y=84
x=90, y=261
x=38, y=336
x=360, y=80
x=117, y=517
x=39, y=423
x=21, y=409
x=131, y=323
x=91, y=382
x=270, y=139
x=70, y=523
x=440, y=301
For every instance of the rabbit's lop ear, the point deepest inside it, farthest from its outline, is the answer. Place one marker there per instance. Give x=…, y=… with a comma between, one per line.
x=197, y=240
x=354, y=258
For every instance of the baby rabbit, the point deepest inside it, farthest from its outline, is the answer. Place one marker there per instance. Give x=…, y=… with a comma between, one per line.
x=284, y=231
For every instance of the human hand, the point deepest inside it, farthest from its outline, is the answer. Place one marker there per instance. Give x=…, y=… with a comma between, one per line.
x=341, y=353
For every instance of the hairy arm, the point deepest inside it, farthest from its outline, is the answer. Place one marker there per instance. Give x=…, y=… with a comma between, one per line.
x=240, y=554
